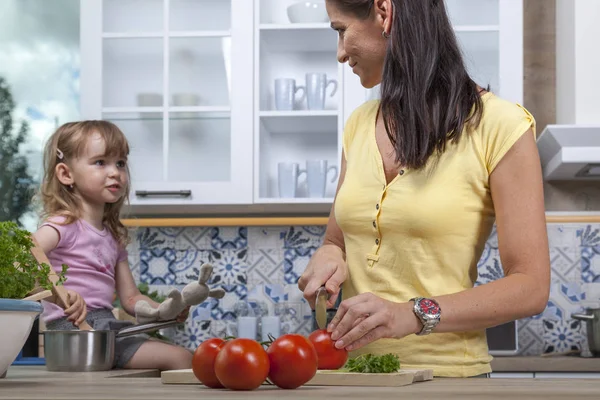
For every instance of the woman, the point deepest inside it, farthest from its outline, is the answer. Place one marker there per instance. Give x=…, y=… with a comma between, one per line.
x=425, y=173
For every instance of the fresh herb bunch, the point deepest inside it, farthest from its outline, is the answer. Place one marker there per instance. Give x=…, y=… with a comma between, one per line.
x=19, y=270
x=369, y=363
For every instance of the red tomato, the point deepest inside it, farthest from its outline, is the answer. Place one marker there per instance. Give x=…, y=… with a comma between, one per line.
x=203, y=362
x=330, y=357
x=293, y=361
x=242, y=364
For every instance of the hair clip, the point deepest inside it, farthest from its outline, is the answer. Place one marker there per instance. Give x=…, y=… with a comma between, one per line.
x=59, y=154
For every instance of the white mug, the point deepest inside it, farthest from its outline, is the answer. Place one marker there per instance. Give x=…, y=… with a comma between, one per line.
x=316, y=88
x=288, y=174
x=246, y=327
x=316, y=177
x=285, y=94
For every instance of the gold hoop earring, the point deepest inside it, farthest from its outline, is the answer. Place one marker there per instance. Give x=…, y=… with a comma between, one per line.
x=385, y=35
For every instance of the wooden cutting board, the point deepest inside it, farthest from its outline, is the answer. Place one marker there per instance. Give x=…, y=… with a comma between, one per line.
x=325, y=378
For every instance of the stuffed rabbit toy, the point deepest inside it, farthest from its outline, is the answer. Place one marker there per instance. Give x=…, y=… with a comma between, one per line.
x=192, y=294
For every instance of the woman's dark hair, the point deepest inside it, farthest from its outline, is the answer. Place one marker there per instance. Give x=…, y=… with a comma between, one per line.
x=427, y=95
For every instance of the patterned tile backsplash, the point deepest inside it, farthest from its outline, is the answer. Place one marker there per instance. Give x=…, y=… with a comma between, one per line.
x=261, y=265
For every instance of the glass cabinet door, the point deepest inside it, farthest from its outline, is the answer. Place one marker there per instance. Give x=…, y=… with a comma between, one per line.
x=164, y=75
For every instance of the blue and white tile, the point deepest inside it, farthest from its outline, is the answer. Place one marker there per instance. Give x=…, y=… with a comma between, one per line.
x=489, y=267
x=592, y=295
x=589, y=236
x=269, y=294
x=230, y=267
x=265, y=265
x=163, y=265
x=188, y=269
x=180, y=238
x=133, y=256
x=563, y=235
x=563, y=336
x=303, y=236
x=294, y=318
x=295, y=262
x=565, y=263
x=220, y=309
x=266, y=237
x=192, y=334
x=492, y=240
x=229, y=238
x=530, y=336
x=590, y=264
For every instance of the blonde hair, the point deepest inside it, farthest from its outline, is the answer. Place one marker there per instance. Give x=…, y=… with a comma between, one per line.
x=66, y=144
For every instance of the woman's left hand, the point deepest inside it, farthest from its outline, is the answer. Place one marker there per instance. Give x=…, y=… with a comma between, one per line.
x=365, y=318
x=183, y=315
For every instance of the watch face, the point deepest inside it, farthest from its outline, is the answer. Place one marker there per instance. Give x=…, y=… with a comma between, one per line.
x=429, y=307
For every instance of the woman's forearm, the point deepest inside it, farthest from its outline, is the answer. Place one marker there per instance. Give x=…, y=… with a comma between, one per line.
x=509, y=298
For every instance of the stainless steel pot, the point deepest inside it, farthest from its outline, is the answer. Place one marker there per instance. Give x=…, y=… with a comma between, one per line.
x=592, y=320
x=85, y=351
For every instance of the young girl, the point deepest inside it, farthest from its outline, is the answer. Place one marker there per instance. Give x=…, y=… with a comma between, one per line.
x=85, y=185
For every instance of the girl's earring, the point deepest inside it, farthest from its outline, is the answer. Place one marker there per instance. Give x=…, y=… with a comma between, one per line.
x=71, y=186
x=385, y=35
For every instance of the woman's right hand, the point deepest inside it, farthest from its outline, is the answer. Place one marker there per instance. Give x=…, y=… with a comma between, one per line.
x=328, y=268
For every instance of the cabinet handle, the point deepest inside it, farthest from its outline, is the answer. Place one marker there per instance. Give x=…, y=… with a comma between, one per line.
x=173, y=193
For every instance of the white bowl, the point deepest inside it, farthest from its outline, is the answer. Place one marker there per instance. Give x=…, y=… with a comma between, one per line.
x=186, y=99
x=150, y=100
x=307, y=12
x=16, y=320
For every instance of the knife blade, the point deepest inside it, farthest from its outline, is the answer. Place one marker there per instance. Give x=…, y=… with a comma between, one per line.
x=321, y=307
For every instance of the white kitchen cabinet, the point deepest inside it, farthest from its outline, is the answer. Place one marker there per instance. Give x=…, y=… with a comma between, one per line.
x=191, y=83
x=567, y=375
x=512, y=375
x=490, y=33
x=291, y=50
x=174, y=76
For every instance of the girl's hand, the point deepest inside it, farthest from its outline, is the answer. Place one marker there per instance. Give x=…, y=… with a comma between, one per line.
x=326, y=267
x=183, y=315
x=365, y=318
x=76, y=310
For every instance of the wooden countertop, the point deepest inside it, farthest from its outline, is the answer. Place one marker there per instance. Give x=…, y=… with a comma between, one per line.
x=546, y=364
x=37, y=383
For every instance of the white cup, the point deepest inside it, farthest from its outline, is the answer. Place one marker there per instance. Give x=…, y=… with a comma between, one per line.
x=246, y=327
x=285, y=94
x=316, y=177
x=288, y=174
x=270, y=325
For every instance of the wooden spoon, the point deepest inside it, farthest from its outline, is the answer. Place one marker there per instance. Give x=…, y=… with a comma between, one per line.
x=43, y=295
x=59, y=291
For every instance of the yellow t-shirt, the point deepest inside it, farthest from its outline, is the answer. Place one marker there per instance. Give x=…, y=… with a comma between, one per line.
x=423, y=234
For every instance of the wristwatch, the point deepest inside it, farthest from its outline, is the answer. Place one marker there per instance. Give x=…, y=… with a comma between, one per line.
x=429, y=312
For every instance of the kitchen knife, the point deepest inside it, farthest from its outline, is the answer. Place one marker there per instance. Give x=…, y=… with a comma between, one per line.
x=321, y=307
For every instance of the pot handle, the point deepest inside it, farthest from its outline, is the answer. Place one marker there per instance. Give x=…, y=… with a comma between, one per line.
x=143, y=328
x=583, y=317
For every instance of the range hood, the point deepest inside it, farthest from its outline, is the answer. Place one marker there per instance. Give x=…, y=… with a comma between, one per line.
x=570, y=152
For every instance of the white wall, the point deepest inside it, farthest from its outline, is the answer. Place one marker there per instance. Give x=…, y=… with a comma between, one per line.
x=578, y=61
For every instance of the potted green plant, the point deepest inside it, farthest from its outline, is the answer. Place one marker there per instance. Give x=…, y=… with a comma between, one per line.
x=20, y=274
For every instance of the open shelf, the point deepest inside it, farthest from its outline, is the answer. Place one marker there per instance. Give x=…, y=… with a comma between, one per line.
x=290, y=26
x=293, y=38
x=299, y=113
x=156, y=113
x=301, y=124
